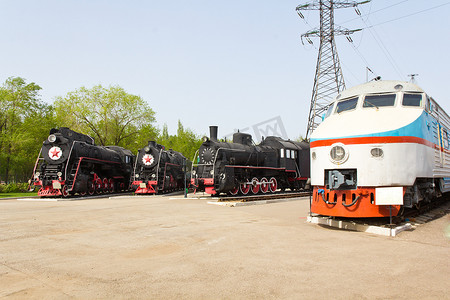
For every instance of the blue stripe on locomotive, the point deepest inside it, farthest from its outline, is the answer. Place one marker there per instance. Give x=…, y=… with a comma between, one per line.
x=421, y=128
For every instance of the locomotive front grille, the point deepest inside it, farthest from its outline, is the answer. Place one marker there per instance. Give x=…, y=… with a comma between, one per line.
x=51, y=171
x=206, y=172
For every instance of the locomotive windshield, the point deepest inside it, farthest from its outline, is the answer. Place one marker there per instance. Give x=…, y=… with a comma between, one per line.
x=412, y=100
x=379, y=100
x=329, y=111
x=345, y=105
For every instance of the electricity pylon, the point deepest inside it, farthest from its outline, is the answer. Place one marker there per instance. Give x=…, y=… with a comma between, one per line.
x=328, y=80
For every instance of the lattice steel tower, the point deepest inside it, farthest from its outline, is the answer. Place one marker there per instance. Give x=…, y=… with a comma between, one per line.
x=328, y=80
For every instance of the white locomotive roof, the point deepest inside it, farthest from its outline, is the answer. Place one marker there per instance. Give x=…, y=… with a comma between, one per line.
x=369, y=120
x=382, y=86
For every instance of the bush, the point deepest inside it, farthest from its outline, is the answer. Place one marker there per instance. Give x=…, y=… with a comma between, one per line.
x=14, y=188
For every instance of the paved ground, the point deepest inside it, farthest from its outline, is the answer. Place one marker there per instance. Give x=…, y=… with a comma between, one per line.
x=161, y=247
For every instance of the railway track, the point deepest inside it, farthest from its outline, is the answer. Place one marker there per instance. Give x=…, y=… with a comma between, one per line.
x=280, y=195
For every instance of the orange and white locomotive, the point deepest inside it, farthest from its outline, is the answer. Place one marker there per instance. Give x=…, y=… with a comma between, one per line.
x=380, y=142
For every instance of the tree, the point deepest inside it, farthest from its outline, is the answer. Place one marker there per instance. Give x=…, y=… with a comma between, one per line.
x=110, y=115
x=185, y=141
x=24, y=124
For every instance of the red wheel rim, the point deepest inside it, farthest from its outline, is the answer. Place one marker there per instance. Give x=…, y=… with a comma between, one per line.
x=105, y=185
x=245, y=188
x=273, y=184
x=234, y=191
x=255, y=185
x=64, y=191
x=111, y=185
x=264, y=185
x=98, y=186
x=91, y=188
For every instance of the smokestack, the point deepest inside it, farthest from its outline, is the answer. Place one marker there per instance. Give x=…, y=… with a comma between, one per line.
x=213, y=133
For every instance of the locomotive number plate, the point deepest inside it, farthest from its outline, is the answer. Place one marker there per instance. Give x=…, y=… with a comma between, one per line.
x=142, y=185
x=56, y=184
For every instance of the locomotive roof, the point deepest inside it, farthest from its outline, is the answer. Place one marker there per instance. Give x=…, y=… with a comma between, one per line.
x=73, y=135
x=271, y=140
x=120, y=150
x=381, y=86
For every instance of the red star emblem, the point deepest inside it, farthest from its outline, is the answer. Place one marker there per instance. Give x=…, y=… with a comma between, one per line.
x=55, y=153
x=148, y=159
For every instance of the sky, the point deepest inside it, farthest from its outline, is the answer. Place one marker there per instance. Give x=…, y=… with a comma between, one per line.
x=234, y=64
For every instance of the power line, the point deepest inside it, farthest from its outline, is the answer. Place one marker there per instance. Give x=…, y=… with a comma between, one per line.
x=406, y=16
x=384, y=49
x=371, y=13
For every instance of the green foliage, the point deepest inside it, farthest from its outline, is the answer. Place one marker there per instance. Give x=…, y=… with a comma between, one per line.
x=301, y=139
x=185, y=141
x=110, y=115
x=24, y=124
x=14, y=188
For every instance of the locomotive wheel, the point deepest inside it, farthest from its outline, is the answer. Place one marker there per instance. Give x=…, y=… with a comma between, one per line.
x=234, y=191
x=264, y=185
x=245, y=188
x=255, y=185
x=98, y=186
x=105, y=185
x=91, y=188
x=111, y=185
x=64, y=192
x=273, y=184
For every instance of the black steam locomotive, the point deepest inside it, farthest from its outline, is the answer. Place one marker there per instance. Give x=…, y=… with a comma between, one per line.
x=71, y=163
x=158, y=170
x=241, y=167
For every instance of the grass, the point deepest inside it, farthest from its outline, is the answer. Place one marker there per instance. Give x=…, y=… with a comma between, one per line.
x=13, y=195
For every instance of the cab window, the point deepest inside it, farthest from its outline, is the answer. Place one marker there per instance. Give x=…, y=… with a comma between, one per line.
x=379, y=100
x=412, y=100
x=445, y=138
x=346, y=105
x=329, y=111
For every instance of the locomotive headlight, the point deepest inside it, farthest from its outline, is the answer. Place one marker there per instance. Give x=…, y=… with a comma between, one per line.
x=376, y=152
x=205, y=139
x=211, y=172
x=59, y=174
x=146, y=148
x=37, y=174
x=338, y=153
x=137, y=175
x=194, y=172
x=153, y=175
x=52, y=138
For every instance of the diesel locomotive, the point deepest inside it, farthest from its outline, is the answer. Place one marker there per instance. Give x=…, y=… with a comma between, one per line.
x=382, y=147
x=70, y=163
x=158, y=170
x=245, y=168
